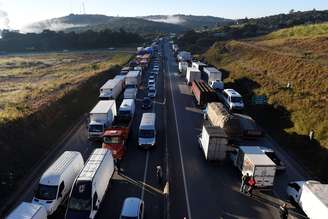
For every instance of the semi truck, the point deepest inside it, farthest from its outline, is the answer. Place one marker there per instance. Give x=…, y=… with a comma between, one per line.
x=252, y=160
x=111, y=89
x=311, y=196
x=184, y=56
x=133, y=79
x=214, y=78
x=116, y=136
x=202, y=93
x=199, y=65
x=235, y=125
x=130, y=93
x=193, y=74
x=101, y=117
x=214, y=142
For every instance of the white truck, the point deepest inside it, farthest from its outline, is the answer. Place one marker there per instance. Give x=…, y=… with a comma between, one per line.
x=193, y=74
x=101, y=117
x=111, y=89
x=183, y=67
x=252, y=160
x=130, y=93
x=28, y=211
x=184, y=56
x=199, y=65
x=311, y=196
x=91, y=185
x=133, y=79
x=214, y=78
x=56, y=183
x=213, y=142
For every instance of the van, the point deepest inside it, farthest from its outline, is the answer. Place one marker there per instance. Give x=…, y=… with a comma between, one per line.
x=28, y=211
x=232, y=99
x=91, y=185
x=56, y=182
x=127, y=108
x=147, y=131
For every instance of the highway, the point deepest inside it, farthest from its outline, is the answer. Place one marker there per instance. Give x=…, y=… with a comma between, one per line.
x=196, y=188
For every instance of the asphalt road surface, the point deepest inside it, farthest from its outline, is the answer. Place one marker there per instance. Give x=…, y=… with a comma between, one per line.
x=192, y=187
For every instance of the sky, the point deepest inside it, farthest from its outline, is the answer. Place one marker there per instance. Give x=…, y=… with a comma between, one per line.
x=18, y=13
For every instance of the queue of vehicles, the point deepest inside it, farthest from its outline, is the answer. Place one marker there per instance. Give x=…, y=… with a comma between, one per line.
x=83, y=185
x=222, y=126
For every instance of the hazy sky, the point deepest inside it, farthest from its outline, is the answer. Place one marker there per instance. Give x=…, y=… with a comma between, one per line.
x=22, y=12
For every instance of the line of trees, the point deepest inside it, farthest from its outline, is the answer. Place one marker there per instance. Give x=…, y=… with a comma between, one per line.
x=13, y=41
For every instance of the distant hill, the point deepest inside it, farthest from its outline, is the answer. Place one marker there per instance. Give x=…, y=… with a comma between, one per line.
x=190, y=21
x=147, y=24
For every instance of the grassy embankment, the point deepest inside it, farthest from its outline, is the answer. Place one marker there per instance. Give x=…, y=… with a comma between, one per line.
x=43, y=96
x=265, y=65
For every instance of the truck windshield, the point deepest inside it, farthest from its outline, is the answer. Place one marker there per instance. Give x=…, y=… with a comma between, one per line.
x=124, y=113
x=80, y=199
x=96, y=128
x=146, y=133
x=112, y=140
x=130, y=86
x=46, y=192
x=236, y=99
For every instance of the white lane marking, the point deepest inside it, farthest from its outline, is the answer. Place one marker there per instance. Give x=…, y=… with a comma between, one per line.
x=145, y=177
x=180, y=152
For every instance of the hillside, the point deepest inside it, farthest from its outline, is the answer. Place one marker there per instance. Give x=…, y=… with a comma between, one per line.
x=264, y=66
x=146, y=24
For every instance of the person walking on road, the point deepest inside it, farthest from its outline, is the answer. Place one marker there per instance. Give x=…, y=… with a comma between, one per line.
x=244, y=180
x=159, y=173
x=283, y=211
x=251, y=185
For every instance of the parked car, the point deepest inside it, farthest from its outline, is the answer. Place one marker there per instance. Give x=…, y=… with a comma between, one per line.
x=133, y=208
x=272, y=155
x=152, y=92
x=147, y=103
x=232, y=99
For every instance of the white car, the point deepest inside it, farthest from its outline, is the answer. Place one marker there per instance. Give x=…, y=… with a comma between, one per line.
x=151, y=83
x=232, y=99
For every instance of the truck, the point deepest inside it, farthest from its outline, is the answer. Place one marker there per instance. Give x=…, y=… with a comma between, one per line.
x=199, y=65
x=252, y=160
x=184, y=56
x=214, y=142
x=130, y=93
x=28, y=211
x=214, y=78
x=100, y=118
x=133, y=79
x=112, y=89
x=235, y=125
x=311, y=196
x=183, y=67
x=192, y=75
x=202, y=93
x=116, y=136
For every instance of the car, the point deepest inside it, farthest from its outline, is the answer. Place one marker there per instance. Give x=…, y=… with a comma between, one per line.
x=151, y=77
x=232, y=99
x=155, y=68
x=147, y=103
x=151, y=83
x=154, y=72
x=151, y=92
x=272, y=155
x=133, y=208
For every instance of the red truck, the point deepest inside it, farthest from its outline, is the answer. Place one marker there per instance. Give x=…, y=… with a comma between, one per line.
x=203, y=93
x=116, y=136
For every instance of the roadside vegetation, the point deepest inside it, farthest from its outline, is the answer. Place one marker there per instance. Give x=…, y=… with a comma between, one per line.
x=30, y=82
x=264, y=66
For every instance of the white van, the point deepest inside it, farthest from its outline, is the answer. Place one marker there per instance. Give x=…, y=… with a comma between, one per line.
x=147, y=130
x=127, y=108
x=28, y=211
x=91, y=185
x=232, y=99
x=56, y=183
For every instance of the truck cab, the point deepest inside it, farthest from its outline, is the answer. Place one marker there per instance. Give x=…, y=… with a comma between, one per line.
x=96, y=129
x=115, y=141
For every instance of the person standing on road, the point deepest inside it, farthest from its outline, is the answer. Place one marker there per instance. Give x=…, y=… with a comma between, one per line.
x=251, y=185
x=159, y=173
x=283, y=211
x=244, y=180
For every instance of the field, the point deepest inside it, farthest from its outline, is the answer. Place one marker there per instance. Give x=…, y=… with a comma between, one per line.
x=29, y=82
x=265, y=66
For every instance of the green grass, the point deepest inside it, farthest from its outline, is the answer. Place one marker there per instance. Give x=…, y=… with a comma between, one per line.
x=300, y=31
x=29, y=82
